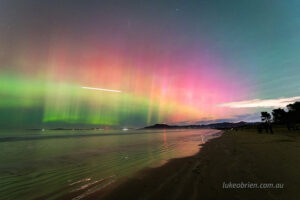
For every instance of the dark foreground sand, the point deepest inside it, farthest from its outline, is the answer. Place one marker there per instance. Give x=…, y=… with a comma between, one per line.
x=237, y=156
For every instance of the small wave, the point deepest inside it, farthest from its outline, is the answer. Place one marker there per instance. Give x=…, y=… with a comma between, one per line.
x=93, y=187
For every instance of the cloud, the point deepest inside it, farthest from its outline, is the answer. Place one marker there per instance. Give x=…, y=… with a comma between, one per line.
x=262, y=103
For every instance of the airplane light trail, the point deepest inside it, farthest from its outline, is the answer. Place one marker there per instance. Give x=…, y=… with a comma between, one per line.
x=101, y=89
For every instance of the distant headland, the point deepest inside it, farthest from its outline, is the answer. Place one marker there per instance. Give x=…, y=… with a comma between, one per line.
x=223, y=125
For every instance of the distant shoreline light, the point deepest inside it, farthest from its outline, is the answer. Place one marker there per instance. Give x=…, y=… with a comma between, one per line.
x=101, y=89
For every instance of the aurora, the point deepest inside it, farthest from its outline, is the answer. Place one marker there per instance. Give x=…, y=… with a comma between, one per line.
x=159, y=62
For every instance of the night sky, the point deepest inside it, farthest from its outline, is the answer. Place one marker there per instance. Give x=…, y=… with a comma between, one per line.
x=179, y=62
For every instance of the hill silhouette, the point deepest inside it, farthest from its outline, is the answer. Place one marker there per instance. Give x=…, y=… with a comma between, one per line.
x=224, y=125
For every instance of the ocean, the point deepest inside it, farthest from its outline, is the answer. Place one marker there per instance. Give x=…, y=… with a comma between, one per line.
x=50, y=164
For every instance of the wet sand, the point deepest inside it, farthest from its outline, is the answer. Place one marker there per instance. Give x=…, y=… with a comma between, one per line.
x=237, y=156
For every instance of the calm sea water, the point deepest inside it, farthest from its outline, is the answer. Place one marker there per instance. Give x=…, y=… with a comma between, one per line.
x=51, y=164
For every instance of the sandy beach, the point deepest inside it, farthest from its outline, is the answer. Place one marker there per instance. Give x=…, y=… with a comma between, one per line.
x=242, y=156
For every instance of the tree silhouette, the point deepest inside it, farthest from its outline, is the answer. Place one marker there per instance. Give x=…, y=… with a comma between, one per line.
x=295, y=107
x=265, y=117
x=293, y=115
x=279, y=116
x=294, y=112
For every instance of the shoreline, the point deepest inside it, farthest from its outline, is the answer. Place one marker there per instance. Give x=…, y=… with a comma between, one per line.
x=234, y=157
